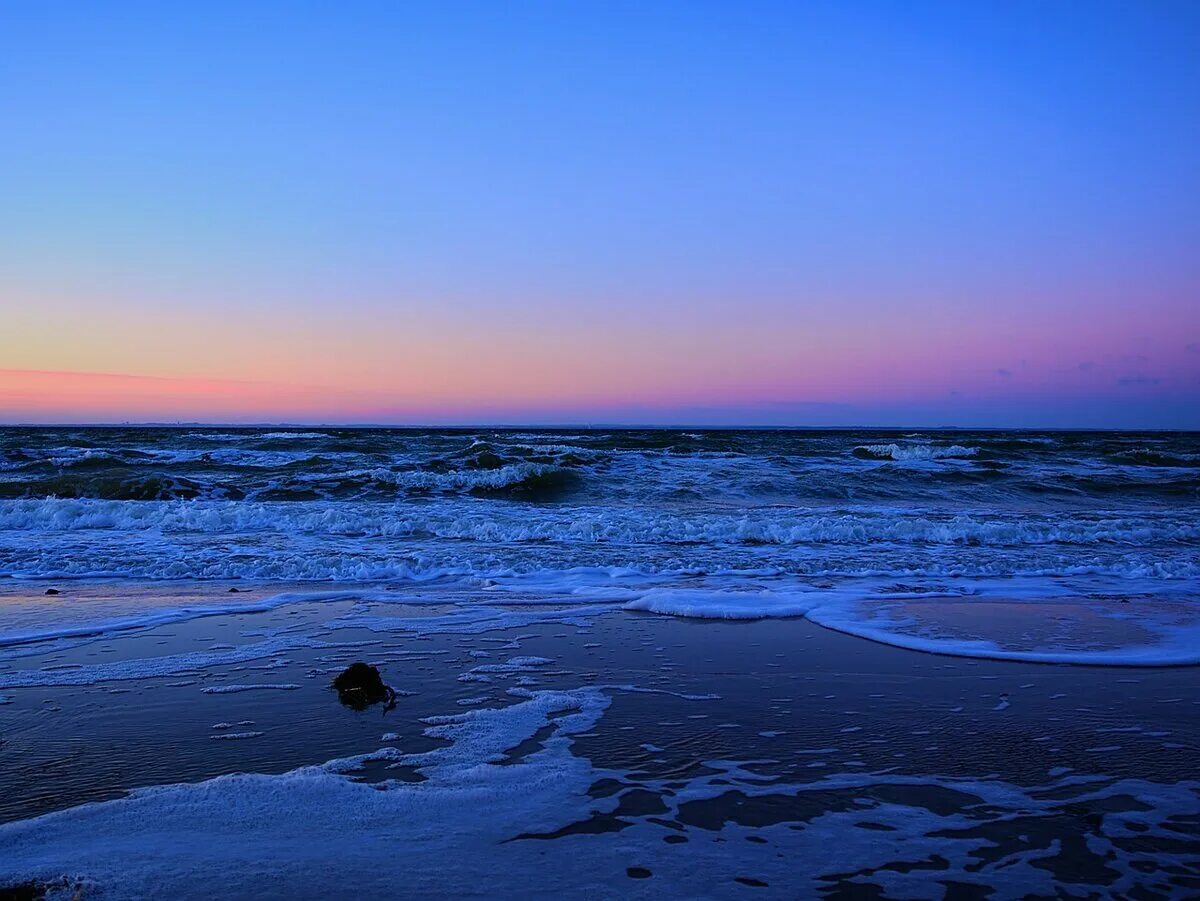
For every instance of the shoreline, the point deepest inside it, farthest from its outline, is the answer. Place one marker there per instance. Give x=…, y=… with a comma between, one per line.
x=784, y=703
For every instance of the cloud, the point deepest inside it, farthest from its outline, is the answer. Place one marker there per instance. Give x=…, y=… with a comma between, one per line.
x=1004, y=373
x=1129, y=381
x=1192, y=348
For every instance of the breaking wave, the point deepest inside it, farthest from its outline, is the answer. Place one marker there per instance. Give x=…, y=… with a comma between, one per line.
x=780, y=527
x=905, y=452
x=357, y=504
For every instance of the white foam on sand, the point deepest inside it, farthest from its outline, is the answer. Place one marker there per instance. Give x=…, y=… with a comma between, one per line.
x=1174, y=642
x=879, y=615
x=168, y=665
x=247, y=835
x=700, y=603
x=66, y=622
x=523, y=664
x=1162, y=630
x=234, y=689
x=77, y=623
x=473, y=620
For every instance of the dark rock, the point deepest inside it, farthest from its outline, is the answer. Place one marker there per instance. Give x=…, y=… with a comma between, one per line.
x=638, y=873
x=25, y=891
x=359, y=686
x=753, y=883
x=234, y=590
x=52, y=591
x=62, y=887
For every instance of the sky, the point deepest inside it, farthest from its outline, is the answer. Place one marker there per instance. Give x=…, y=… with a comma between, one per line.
x=752, y=213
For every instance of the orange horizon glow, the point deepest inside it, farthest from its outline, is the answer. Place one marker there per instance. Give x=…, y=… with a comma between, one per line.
x=62, y=397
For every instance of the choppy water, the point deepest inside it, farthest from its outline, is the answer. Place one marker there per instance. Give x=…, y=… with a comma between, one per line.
x=715, y=523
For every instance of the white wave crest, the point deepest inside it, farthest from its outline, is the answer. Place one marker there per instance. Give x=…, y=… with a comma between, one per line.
x=904, y=452
x=507, y=476
x=589, y=524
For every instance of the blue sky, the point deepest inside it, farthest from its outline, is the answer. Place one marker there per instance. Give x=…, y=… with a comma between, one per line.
x=572, y=211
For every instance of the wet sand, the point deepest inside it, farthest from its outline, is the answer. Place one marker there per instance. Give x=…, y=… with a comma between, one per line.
x=693, y=706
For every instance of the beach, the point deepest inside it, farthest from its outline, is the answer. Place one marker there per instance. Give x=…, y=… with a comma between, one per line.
x=694, y=664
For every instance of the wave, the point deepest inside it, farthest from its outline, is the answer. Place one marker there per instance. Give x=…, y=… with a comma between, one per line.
x=485, y=455
x=527, y=480
x=251, y=435
x=113, y=487
x=159, y=563
x=118, y=459
x=905, y=452
x=683, y=470
x=886, y=618
x=592, y=524
x=290, y=436
x=1119, y=484
x=303, y=478
x=1143, y=456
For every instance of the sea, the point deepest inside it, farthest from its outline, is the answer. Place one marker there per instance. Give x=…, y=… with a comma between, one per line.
x=628, y=662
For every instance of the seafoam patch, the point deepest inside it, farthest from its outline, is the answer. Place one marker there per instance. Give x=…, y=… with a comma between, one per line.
x=317, y=827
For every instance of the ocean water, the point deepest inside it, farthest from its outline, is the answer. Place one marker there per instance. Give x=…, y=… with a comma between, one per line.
x=634, y=663
x=881, y=533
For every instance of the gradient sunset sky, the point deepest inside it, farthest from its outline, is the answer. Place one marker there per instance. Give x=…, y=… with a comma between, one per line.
x=844, y=213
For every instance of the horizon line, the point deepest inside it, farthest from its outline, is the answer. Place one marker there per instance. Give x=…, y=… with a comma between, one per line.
x=586, y=426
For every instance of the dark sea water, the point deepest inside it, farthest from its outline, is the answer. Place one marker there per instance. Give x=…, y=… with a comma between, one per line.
x=632, y=663
x=329, y=504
